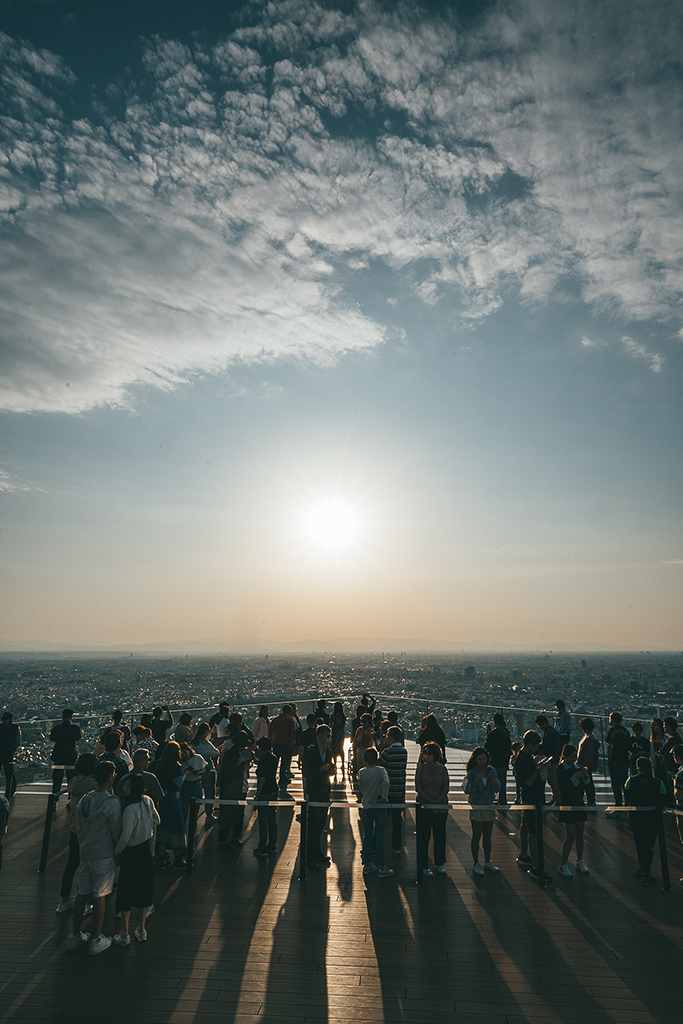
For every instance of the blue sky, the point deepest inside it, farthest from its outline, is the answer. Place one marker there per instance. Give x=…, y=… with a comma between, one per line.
x=420, y=263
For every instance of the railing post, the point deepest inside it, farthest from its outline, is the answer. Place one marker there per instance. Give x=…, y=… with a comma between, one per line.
x=539, y=845
x=191, y=829
x=420, y=877
x=303, y=841
x=663, y=857
x=49, y=811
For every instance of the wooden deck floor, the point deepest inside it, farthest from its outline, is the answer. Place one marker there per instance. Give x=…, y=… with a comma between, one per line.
x=245, y=942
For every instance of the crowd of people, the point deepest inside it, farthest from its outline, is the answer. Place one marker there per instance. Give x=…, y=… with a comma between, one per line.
x=130, y=797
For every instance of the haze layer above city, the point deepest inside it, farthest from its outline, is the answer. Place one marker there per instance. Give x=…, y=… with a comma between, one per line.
x=341, y=320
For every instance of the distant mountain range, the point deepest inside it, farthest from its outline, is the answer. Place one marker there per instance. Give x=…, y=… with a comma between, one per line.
x=338, y=645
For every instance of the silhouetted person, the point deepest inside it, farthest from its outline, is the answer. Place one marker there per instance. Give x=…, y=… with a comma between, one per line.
x=318, y=769
x=10, y=741
x=65, y=736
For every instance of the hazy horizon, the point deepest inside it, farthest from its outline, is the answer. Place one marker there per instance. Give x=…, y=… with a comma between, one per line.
x=342, y=319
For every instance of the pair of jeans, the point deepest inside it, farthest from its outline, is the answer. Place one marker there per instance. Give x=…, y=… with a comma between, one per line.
x=374, y=823
x=618, y=773
x=428, y=822
x=267, y=829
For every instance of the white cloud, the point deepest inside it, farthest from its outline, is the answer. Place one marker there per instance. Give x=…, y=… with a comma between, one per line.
x=9, y=485
x=213, y=223
x=639, y=351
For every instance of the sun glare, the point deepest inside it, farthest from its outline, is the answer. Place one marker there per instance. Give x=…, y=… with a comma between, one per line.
x=331, y=524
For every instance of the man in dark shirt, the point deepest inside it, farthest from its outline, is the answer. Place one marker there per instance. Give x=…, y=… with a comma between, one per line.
x=65, y=736
x=531, y=785
x=112, y=752
x=550, y=748
x=392, y=718
x=499, y=746
x=318, y=770
x=282, y=734
x=394, y=759
x=140, y=765
x=618, y=743
x=307, y=737
x=160, y=726
x=10, y=740
x=266, y=789
x=640, y=746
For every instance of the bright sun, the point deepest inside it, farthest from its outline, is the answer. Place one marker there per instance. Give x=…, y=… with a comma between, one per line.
x=331, y=524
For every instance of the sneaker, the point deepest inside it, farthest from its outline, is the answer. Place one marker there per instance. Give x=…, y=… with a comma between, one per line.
x=581, y=868
x=271, y=849
x=78, y=940
x=477, y=869
x=637, y=873
x=121, y=940
x=369, y=868
x=490, y=866
x=397, y=853
x=150, y=909
x=237, y=842
x=647, y=880
x=260, y=853
x=65, y=905
x=427, y=873
x=88, y=910
x=99, y=945
x=141, y=936
x=524, y=860
x=441, y=868
x=564, y=871
x=532, y=872
x=384, y=872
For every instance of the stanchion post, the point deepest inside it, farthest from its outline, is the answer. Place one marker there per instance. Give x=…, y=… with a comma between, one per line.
x=191, y=829
x=303, y=841
x=49, y=811
x=420, y=877
x=663, y=857
x=539, y=843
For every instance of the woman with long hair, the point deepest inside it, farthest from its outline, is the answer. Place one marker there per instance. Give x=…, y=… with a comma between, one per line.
x=572, y=781
x=171, y=832
x=657, y=735
x=136, y=878
x=364, y=738
x=261, y=724
x=481, y=784
x=431, y=732
x=499, y=746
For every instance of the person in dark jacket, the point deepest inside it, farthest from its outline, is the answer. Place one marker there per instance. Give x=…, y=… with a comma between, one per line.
x=431, y=732
x=318, y=769
x=394, y=758
x=499, y=747
x=10, y=741
x=65, y=736
x=644, y=790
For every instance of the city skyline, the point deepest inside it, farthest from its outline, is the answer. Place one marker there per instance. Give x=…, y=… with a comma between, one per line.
x=342, y=320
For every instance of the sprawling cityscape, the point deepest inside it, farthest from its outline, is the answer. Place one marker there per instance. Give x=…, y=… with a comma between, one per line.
x=462, y=691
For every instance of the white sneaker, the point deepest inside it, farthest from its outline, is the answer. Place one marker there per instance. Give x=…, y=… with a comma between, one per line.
x=477, y=869
x=150, y=909
x=78, y=940
x=441, y=868
x=427, y=873
x=88, y=910
x=99, y=945
x=121, y=940
x=385, y=872
x=64, y=905
x=369, y=868
x=581, y=868
x=490, y=866
x=564, y=871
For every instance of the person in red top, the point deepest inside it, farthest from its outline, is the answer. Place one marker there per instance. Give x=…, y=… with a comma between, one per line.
x=282, y=734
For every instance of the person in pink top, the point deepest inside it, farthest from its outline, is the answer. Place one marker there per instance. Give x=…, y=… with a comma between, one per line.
x=431, y=785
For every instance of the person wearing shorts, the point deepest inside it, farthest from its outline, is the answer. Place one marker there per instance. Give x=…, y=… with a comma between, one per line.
x=98, y=826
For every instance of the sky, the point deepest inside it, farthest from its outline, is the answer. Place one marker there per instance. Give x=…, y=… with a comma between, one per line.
x=341, y=319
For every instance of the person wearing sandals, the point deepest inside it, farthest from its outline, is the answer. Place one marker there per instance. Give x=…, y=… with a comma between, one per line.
x=572, y=781
x=136, y=877
x=481, y=786
x=431, y=785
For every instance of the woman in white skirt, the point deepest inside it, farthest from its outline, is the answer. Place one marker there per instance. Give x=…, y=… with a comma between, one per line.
x=481, y=785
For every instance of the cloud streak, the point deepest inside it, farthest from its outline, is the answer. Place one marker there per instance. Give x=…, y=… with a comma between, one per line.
x=223, y=215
